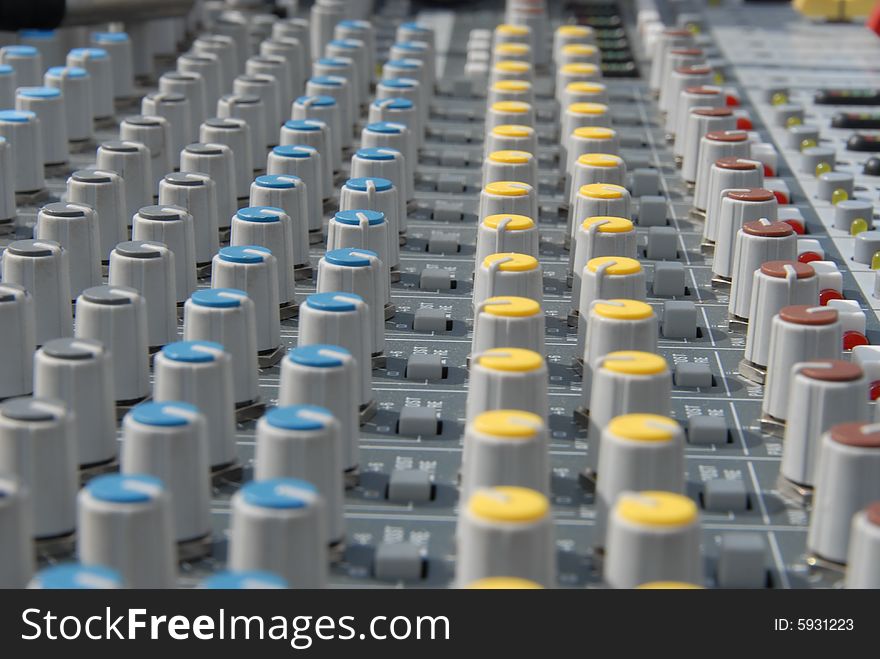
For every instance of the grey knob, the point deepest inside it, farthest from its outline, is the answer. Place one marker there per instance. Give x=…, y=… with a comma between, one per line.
x=37, y=448
x=599, y=236
x=737, y=207
x=702, y=120
x=172, y=226
x=148, y=267
x=728, y=174
x=41, y=267
x=175, y=109
x=609, y=278
x=208, y=65
x=197, y=193
x=117, y=317
x=756, y=243
x=17, y=324
x=508, y=273
x=118, y=47
x=132, y=161
x=79, y=373
x=16, y=538
x=704, y=96
x=508, y=322
x=216, y=161
x=76, y=85
x=75, y=228
x=155, y=133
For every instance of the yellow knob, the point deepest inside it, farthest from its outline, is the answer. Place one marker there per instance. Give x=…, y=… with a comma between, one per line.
x=510, y=29
x=669, y=585
x=575, y=31
x=510, y=157
x=656, y=508
x=593, y=109
x=582, y=87
x=518, y=360
x=509, y=424
x=634, y=362
x=504, y=583
x=579, y=49
x=512, y=66
x=511, y=306
x=514, y=222
x=580, y=69
x=512, y=86
x=643, y=427
x=508, y=188
x=602, y=191
x=511, y=262
x=623, y=309
x=618, y=265
x=511, y=107
x=609, y=224
x=513, y=130
x=508, y=504
x=594, y=133
x=599, y=160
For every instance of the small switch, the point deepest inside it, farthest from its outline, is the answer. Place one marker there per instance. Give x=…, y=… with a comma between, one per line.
x=418, y=421
x=662, y=243
x=424, y=367
x=689, y=374
x=679, y=320
x=435, y=279
x=669, y=279
x=708, y=430
x=407, y=485
x=427, y=319
x=652, y=211
x=723, y=496
x=398, y=561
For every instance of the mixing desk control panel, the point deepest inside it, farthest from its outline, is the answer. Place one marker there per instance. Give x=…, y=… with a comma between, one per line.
x=516, y=294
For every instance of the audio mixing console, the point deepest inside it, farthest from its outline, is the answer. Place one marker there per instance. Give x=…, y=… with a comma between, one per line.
x=354, y=294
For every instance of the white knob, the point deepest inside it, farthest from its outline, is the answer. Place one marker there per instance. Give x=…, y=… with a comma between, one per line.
x=511, y=137
x=388, y=151
x=408, y=89
x=167, y=440
x=197, y=193
x=797, y=334
x=126, y=523
x=586, y=89
x=610, y=325
x=102, y=190
x=701, y=96
x=7, y=183
x=304, y=440
x=278, y=68
x=234, y=133
x=597, y=200
x=356, y=51
x=341, y=89
x=292, y=52
x=365, y=229
x=8, y=86
x=506, y=531
x=728, y=174
x=118, y=47
x=713, y=146
x=41, y=267
x=226, y=50
x=23, y=132
x=845, y=483
x=75, y=85
x=505, y=447
x=864, y=549
x=278, y=525
x=48, y=104
x=700, y=121
x=398, y=111
x=71, y=576
x=756, y=243
x=822, y=394
x=27, y=62
x=79, y=373
x=652, y=536
x=510, y=166
x=132, y=161
x=504, y=113
x=776, y=284
x=17, y=324
x=37, y=448
x=737, y=207
x=117, y=317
